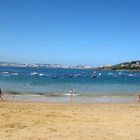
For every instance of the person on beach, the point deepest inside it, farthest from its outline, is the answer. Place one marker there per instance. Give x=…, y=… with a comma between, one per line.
x=138, y=98
x=71, y=92
x=1, y=94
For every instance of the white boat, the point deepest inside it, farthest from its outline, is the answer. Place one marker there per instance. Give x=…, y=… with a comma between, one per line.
x=100, y=74
x=130, y=75
x=34, y=73
x=41, y=74
x=110, y=73
x=5, y=72
x=14, y=73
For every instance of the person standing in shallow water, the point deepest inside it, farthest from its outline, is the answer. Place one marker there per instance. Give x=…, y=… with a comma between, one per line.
x=1, y=94
x=138, y=98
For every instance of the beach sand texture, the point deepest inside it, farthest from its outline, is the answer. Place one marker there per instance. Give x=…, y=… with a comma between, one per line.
x=52, y=121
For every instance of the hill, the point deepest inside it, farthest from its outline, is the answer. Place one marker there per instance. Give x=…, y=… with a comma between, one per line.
x=132, y=65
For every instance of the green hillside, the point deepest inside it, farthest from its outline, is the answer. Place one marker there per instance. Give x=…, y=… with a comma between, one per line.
x=132, y=65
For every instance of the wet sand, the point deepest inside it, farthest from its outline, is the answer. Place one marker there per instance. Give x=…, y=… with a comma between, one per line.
x=67, y=121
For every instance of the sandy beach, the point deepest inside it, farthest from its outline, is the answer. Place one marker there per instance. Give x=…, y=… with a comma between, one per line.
x=54, y=121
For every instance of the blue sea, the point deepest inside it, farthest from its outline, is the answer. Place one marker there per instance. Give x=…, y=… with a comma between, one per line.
x=54, y=83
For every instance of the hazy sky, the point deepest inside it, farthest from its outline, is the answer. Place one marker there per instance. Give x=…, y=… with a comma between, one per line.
x=70, y=32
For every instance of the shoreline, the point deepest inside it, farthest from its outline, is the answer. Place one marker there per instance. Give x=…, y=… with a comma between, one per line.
x=70, y=98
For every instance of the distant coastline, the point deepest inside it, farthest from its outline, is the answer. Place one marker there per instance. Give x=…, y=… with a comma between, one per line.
x=132, y=66
x=40, y=65
x=129, y=66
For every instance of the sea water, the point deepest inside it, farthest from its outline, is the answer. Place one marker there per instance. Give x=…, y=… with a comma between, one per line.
x=56, y=82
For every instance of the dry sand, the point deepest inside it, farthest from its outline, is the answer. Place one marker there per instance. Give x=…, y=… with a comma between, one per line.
x=52, y=121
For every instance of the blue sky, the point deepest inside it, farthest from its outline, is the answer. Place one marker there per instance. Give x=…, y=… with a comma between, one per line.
x=70, y=32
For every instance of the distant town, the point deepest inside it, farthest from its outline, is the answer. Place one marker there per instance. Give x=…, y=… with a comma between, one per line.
x=38, y=65
x=132, y=65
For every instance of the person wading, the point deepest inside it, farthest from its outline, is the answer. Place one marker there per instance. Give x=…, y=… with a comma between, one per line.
x=1, y=94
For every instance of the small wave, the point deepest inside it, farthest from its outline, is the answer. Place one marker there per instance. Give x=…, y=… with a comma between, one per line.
x=69, y=94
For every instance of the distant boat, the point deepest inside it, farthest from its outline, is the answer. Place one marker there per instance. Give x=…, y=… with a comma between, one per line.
x=110, y=73
x=15, y=74
x=100, y=74
x=78, y=75
x=34, y=73
x=41, y=74
x=130, y=75
x=5, y=72
x=113, y=75
x=94, y=75
x=70, y=75
x=53, y=77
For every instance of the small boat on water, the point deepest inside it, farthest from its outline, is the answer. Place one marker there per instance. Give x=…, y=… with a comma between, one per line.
x=14, y=73
x=54, y=77
x=110, y=73
x=5, y=72
x=78, y=75
x=94, y=75
x=100, y=74
x=114, y=76
x=130, y=75
x=34, y=73
x=41, y=74
x=120, y=73
x=69, y=75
